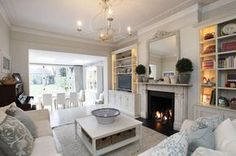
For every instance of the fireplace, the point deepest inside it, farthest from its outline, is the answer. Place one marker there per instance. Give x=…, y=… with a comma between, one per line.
x=161, y=111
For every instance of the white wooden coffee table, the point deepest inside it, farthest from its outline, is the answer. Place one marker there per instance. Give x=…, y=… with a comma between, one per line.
x=101, y=139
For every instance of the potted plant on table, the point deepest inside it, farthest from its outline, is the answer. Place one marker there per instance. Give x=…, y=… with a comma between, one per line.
x=184, y=67
x=140, y=70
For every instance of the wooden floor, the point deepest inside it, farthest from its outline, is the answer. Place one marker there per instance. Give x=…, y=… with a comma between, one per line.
x=68, y=116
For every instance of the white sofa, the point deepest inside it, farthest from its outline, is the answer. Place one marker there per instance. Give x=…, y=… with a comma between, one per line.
x=44, y=145
x=185, y=126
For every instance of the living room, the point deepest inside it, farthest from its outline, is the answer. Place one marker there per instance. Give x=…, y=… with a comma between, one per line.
x=146, y=49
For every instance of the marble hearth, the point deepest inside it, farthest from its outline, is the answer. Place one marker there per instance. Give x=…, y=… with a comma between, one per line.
x=180, y=99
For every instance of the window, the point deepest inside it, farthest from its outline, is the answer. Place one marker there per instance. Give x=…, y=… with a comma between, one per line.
x=51, y=79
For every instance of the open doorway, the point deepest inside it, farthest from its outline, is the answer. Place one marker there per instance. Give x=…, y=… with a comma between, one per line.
x=77, y=78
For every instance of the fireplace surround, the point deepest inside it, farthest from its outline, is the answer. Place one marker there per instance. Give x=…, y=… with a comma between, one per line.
x=180, y=92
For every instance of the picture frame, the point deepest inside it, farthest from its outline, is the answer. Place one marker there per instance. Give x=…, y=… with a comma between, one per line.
x=5, y=63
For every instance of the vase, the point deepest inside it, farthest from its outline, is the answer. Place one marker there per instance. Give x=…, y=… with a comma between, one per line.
x=184, y=78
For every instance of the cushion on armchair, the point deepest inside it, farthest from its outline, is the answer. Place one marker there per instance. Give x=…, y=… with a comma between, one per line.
x=201, y=138
x=225, y=136
x=19, y=114
x=175, y=145
x=201, y=151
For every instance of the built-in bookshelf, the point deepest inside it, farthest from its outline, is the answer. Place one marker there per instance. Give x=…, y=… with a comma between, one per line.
x=218, y=64
x=124, y=62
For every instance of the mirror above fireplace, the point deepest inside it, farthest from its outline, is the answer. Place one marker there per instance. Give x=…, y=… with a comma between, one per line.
x=164, y=52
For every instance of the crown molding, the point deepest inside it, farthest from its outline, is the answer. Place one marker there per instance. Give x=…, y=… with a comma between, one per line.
x=59, y=36
x=4, y=15
x=215, y=5
x=187, y=11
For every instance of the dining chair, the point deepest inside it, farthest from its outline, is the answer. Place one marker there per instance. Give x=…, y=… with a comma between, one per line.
x=81, y=97
x=73, y=99
x=47, y=101
x=100, y=99
x=60, y=100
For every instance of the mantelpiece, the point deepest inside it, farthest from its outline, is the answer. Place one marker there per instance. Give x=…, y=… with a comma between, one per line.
x=165, y=84
x=181, y=98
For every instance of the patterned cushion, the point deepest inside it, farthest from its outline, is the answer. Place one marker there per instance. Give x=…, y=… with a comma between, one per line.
x=211, y=121
x=15, y=138
x=175, y=145
x=19, y=114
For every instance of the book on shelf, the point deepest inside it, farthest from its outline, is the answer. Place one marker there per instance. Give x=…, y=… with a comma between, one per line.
x=227, y=62
x=208, y=64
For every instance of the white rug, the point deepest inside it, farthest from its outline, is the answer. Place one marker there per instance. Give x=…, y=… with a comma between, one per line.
x=65, y=135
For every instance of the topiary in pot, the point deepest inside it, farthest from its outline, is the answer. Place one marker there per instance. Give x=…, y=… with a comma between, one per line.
x=184, y=67
x=140, y=70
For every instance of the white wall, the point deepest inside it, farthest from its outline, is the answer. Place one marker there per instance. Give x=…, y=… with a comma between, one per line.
x=188, y=49
x=22, y=42
x=4, y=40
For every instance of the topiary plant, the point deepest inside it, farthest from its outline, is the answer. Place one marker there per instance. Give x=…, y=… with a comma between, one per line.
x=184, y=65
x=140, y=69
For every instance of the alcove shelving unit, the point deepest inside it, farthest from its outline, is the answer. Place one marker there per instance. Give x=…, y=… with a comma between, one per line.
x=217, y=64
x=124, y=62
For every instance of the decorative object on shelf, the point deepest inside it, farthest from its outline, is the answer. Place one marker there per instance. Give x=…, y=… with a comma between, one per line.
x=232, y=103
x=208, y=36
x=140, y=70
x=208, y=82
x=229, y=29
x=184, y=67
x=166, y=79
x=210, y=49
x=206, y=99
x=223, y=102
x=173, y=79
x=105, y=115
x=8, y=80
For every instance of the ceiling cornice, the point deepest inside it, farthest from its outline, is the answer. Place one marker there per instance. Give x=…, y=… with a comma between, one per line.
x=4, y=15
x=59, y=36
x=167, y=13
x=173, y=17
x=215, y=5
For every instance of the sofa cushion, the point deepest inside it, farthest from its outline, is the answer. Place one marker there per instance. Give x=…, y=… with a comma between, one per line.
x=175, y=145
x=201, y=151
x=15, y=138
x=201, y=138
x=211, y=121
x=225, y=136
x=18, y=113
x=44, y=146
x=43, y=128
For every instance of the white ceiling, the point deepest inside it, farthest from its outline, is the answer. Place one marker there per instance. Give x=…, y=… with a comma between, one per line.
x=60, y=16
x=50, y=57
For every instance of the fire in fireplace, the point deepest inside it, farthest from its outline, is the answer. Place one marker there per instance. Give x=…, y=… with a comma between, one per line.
x=161, y=107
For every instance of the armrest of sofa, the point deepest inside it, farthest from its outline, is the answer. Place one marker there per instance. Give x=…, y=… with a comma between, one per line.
x=38, y=115
x=186, y=125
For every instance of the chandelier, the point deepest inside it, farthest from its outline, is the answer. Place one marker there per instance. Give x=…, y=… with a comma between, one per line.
x=106, y=32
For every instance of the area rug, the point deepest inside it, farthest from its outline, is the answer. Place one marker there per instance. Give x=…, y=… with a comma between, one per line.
x=69, y=146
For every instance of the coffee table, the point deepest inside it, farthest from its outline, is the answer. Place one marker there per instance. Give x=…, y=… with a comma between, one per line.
x=100, y=139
